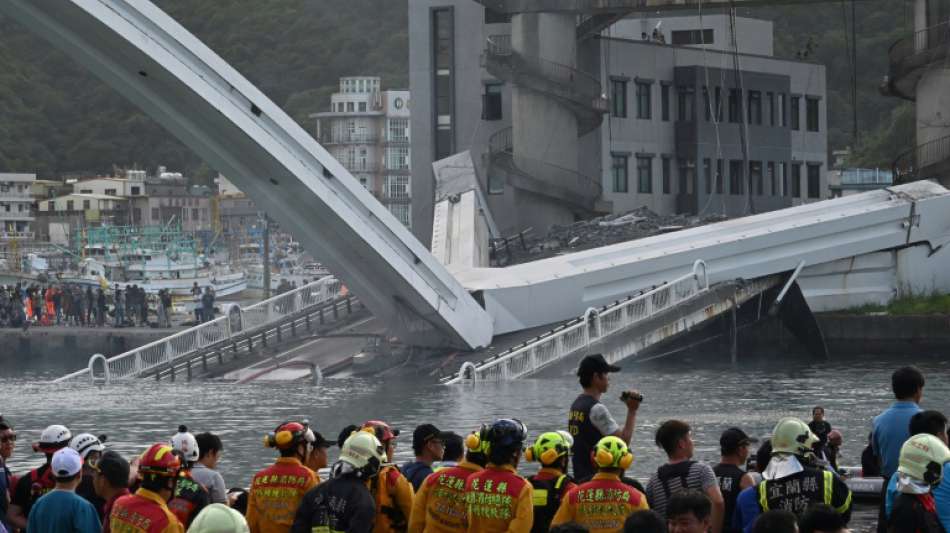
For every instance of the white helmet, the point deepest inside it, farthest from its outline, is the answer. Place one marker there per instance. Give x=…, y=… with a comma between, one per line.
x=54, y=437
x=186, y=443
x=363, y=451
x=84, y=443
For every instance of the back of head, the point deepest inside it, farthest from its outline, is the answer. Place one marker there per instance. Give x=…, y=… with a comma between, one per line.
x=670, y=433
x=207, y=443
x=930, y=422
x=114, y=468
x=763, y=455
x=906, y=382
x=689, y=502
x=454, y=447
x=187, y=444
x=775, y=522
x=506, y=437
x=219, y=518
x=823, y=518
x=645, y=522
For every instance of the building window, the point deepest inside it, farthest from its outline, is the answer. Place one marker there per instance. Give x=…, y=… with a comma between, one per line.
x=618, y=98
x=644, y=175
x=339, y=107
x=155, y=214
x=349, y=107
x=665, y=101
x=755, y=108
x=770, y=102
x=685, y=108
x=397, y=158
x=110, y=192
x=796, y=180
x=794, y=113
x=783, y=178
x=755, y=177
x=667, y=176
x=735, y=177
x=194, y=214
x=496, y=17
x=719, y=176
x=707, y=175
x=69, y=205
x=399, y=130
x=686, y=175
x=644, y=102
x=402, y=212
x=811, y=114
x=770, y=170
x=136, y=191
x=362, y=107
x=443, y=31
x=735, y=106
x=688, y=37
x=397, y=187
x=86, y=204
x=814, y=180
x=620, y=173
x=81, y=191
x=492, y=102
x=782, y=116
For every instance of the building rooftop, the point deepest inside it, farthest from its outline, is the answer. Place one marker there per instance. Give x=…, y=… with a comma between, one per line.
x=10, y=176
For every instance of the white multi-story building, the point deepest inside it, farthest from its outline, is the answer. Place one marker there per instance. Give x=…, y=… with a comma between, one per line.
x=16, y=202
x=367, y=130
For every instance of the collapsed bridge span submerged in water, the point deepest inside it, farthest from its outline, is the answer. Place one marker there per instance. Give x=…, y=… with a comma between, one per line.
x=161, y=67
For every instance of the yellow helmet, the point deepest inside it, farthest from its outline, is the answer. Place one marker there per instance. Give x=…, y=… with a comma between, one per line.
x=611, y=452
x=548, y=448
x=922, y=457
x=791, y=435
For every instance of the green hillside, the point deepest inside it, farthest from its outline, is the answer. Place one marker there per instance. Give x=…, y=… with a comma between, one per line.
x=55, y=118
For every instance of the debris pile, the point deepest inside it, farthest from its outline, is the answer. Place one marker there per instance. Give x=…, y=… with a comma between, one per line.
x=593, y=233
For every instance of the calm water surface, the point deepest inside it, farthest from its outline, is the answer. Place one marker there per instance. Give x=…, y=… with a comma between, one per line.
x=710, y=396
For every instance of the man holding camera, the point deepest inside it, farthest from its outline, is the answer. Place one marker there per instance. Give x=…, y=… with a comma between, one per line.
x=589, y=420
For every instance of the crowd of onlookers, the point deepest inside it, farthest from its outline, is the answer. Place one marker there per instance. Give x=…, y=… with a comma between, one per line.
x=790, y=484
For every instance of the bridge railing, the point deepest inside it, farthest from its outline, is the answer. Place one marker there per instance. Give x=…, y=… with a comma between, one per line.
x=236, y=321
x=577, y=335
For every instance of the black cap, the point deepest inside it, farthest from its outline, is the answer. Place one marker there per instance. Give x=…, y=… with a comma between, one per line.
x=320, y=442
x=595, y=364
x=345, y=434
x=733, y=438
x=114, y=467
x=426, y=432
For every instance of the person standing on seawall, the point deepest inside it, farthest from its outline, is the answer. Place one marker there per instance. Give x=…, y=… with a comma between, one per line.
x=589, y=420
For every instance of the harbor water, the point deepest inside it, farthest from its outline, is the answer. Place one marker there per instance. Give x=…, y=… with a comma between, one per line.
x=711, y=396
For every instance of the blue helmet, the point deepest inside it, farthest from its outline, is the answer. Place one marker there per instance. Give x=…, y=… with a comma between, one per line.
x=507, y=433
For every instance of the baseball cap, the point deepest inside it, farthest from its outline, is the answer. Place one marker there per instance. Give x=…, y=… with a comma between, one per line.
x=319, y=441
x=733, y=438
x=595, y=364
x=66, y=463
x=425, y=433
x=114, y=468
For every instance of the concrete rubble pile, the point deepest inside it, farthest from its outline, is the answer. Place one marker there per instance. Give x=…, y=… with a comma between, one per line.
x=593, y=233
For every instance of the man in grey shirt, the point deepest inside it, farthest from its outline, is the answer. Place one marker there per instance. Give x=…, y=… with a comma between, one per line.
x=209, y=453
x=681, y=473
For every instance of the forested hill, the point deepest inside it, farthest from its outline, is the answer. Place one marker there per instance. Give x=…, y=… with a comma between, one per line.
x=55, y=118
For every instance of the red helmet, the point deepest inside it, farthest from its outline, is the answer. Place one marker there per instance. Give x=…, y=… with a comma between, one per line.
x=160, y=460
x=381, y=429
x=288, y=435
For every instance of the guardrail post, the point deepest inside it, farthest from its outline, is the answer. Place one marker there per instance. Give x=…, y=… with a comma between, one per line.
x=204, y=361
x=336, y=311
x=279, y=336
x=321, y=316
x=171, y=373
x=188, y=369
x=221, y=356
x=308, y=322
x=349, y=306
x=293, y=328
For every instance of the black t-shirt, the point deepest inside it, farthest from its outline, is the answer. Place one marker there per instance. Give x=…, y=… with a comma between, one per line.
x=87, y=490
x=585, y=434
x=730, y=481
x=910, y=516
x=340, y=504
x=821, y=430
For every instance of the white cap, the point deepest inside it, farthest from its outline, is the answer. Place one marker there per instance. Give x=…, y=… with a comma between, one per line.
x=66, y=463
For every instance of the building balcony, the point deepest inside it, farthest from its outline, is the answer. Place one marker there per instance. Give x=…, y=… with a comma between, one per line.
x=368, y=168
x=912, y=57
x=930, y=160
x=577, y=90
x=337, y=138
x=580, y=192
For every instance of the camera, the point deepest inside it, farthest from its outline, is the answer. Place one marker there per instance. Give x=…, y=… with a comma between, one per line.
x=627, y=395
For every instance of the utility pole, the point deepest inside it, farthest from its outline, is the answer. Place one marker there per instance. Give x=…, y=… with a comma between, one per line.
x=266, y=271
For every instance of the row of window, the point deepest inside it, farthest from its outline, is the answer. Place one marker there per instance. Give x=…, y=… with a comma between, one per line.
x=762, y=179
x=760, y=108
x=350, y=107
x=359, y=85
x=196, y=214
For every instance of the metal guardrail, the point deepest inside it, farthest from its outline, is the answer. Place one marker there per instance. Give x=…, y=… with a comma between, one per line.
x=578, y=334
x=585, y=85
x=238, y=320
x=580, y=184
x=909, y=165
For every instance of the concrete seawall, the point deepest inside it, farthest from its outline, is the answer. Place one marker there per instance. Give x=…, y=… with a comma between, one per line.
x=74, y=345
